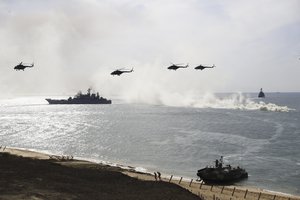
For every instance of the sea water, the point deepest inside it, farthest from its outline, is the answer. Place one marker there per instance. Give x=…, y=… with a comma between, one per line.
x=261, y=135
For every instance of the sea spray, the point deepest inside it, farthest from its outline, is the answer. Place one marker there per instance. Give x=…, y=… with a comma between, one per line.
x=237, y=101
x=208, y=100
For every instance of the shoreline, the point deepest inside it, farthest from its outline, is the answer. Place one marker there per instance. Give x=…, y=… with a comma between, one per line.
x=198, y=188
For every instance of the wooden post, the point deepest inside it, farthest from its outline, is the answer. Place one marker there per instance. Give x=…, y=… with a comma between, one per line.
x=245, y=194
x=222, y=189
x=259, y=196
x=211, y=187
x=171, y=178
x=201, y=185
x=191, y=182
x=274, y=197
x=180, y=180
x=233, y=191
x=214, y=197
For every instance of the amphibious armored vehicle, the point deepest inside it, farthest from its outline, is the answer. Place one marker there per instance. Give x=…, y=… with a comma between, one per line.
x=221, y=174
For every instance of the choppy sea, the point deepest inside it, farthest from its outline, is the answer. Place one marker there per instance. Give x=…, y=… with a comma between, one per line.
x=261, y=135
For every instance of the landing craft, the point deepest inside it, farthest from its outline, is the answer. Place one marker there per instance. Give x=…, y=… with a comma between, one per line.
x=221, y=174
x=22, y=66
x=202, y=67
x=121, y=71
x=176, y=66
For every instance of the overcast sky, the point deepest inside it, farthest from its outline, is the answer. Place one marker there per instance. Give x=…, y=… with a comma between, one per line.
x=76, y=44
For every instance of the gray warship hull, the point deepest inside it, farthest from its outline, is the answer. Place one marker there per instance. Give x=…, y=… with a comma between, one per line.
x=81, y=99
x=261, y=95
x=63, y=101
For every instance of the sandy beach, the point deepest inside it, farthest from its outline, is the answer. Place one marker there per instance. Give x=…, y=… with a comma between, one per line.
x=33, y=175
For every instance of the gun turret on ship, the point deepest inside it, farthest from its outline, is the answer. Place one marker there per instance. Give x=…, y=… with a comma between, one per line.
x=221, y=174
x=81, y=99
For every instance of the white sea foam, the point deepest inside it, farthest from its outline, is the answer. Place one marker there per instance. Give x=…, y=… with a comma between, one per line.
x=237, y=101
x=141, y=169
x=208, y=100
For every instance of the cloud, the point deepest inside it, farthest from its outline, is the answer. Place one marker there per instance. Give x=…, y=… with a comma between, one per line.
x=77, y=45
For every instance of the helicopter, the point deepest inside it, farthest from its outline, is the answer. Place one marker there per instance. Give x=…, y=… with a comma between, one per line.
x=121, y=71
x=22, y=66
x=202, y=67
x=176, y=66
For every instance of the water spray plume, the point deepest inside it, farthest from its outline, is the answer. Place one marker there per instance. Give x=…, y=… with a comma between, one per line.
x=237, y=101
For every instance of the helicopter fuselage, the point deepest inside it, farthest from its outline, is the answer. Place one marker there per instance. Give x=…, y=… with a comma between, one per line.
x=201, y=67
x=119, y=72
x=22, y=67
x=175, y=67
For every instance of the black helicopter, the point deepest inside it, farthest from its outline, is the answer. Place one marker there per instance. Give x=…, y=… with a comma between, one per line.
x=176, y=66
x=121, y=71
x=22, y=66
x=202, y=67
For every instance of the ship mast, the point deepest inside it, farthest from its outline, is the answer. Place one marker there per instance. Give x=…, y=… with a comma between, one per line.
x=89, y=91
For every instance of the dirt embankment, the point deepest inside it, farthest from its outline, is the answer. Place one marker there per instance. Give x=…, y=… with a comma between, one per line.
x=28, y=178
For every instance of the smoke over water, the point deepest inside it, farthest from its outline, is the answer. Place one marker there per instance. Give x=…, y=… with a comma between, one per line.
x=208, y=100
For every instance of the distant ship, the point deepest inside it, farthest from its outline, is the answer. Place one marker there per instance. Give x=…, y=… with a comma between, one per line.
x=261, y=94
x=81, y=99
x=221, y=174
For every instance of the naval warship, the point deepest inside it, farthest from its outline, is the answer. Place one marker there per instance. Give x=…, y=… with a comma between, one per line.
x=261, y=94
x=221, y=174
x=81, y=99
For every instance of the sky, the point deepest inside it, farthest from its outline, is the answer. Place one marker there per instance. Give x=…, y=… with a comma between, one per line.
x=76, y=44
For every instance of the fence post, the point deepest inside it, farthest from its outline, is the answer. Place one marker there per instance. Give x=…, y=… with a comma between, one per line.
x=201, y=185
x=214, y=197
x=191, y=182
x=180, y=180
x=245, y=194
x=274, y=197
x=211, y=187
x=233, y=191
x=222, y=189
x=171, y=178
x=259, y=196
